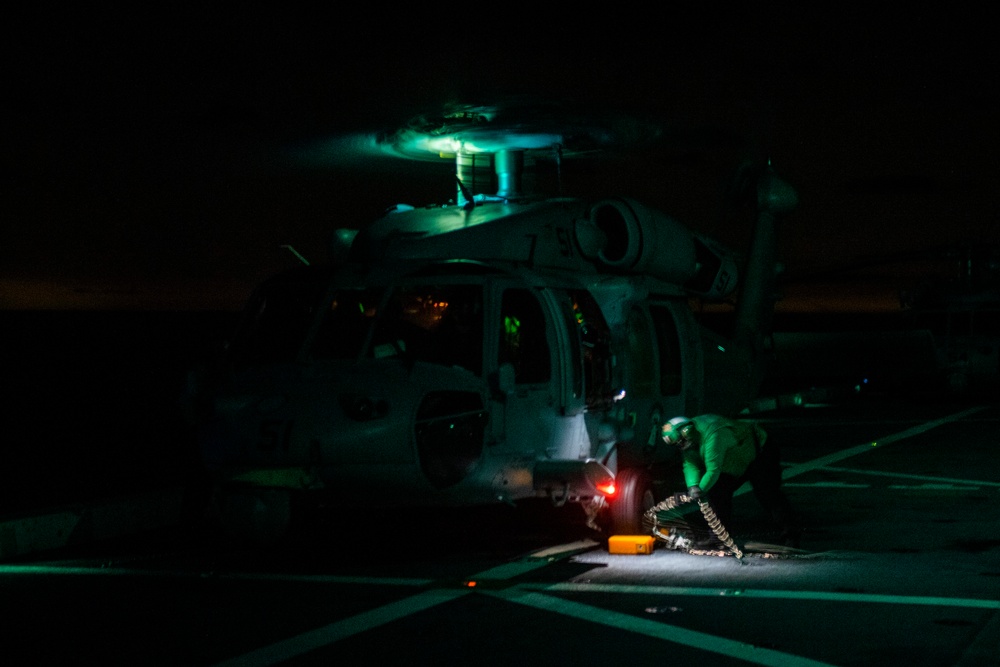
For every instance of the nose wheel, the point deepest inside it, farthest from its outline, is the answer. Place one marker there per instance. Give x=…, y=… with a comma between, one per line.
x=633, y=497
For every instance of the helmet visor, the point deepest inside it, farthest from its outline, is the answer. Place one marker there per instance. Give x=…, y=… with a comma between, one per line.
x=678, y=435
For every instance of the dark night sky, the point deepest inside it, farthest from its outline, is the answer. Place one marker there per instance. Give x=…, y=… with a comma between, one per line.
x=144, y=166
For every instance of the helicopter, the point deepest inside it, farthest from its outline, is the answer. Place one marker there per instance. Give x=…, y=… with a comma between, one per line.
x=495, y=349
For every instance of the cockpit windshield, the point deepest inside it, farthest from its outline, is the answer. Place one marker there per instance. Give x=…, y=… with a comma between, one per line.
x=347, y=322
x=439, y=324
x=433, y=323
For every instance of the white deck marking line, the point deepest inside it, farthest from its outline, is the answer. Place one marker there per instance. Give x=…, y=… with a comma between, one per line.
x=982, y=650
x=522, y=594
x=922, y=600
x=320, y=637
x=825, y=461
x=903, y=475
x=826, y=485
x=932, y=487
x=926, y=486
x=656, y=629
x=504, y=571
x=565, y=549
x=510, y=570
x=314, y=639
x=323, y=579
x=247, y=576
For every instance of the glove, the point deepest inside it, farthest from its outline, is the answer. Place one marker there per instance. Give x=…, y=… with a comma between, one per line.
x=694, y=492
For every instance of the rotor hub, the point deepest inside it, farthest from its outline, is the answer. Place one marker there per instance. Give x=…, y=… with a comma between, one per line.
x=498, y=143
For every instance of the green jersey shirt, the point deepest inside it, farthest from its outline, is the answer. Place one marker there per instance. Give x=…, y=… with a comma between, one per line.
x=727, y=446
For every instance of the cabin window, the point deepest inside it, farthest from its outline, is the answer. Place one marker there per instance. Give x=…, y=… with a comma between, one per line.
x=523, y=343
x=641, y=358
x=595, y=348
x=669, y=346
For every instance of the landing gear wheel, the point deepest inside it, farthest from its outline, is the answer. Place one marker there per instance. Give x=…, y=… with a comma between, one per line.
x=634, y=497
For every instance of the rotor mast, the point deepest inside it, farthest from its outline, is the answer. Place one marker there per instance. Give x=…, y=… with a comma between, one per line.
x=471, y=169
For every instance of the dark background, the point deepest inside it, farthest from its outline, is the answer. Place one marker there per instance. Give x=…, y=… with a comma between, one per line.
x=149, y=181
x=146, y=148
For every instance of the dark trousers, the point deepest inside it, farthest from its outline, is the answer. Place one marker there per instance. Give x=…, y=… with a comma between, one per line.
x=764, y=476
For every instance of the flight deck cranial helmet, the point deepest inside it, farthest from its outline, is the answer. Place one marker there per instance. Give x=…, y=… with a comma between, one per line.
x=678, y=432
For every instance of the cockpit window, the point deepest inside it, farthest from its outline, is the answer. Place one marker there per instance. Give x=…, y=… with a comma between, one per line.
x=346, y=323
x=277, y=320
x=438, y=324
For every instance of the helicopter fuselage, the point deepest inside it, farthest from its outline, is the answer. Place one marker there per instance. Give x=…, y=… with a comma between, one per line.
x=478, y=354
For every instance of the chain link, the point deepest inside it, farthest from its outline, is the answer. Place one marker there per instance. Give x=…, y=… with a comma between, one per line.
x=672, y=532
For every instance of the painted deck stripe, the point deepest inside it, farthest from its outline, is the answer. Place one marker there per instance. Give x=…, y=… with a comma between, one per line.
x=880, y=442
x=533, y=595
x=325, y=579
x=826, y=485
x=50, y=570
x=929, y=483
x=503, y=571
x=561, y=587
x=985, y=646
x=568, y=549
x=903, y=475
x=927, y=486
x=511, y=570
x=314, y=639
x=927, y=601
x=932, y=487
x=657, y=630
x=825, y=461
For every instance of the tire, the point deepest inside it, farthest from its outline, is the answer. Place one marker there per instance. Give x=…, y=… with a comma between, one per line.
x=634, y=497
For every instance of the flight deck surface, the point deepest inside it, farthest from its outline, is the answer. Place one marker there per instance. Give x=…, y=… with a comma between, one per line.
x=899, y=564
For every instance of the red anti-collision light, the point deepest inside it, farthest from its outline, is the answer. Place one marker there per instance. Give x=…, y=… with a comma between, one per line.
x=607, y=488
